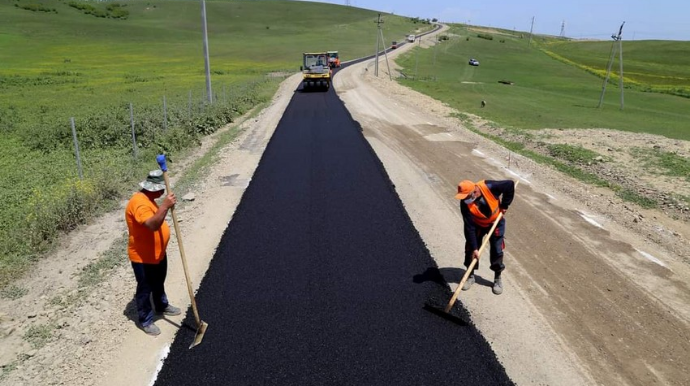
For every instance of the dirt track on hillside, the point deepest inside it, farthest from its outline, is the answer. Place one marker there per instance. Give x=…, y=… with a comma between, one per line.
x=596, y=288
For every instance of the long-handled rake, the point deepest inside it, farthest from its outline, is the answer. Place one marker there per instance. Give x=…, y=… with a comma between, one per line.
x=200, y=324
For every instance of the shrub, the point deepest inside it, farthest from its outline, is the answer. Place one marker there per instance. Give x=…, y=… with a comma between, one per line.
x=485, y=36
x=573, y=154
x=36, y=8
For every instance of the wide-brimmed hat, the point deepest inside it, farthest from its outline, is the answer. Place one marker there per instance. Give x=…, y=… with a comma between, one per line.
x=465, y=188
x=154, y=182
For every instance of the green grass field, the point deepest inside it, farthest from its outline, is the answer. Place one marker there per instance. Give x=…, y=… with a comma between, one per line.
x=58, y=62
x=549, y=93
x=71, y=60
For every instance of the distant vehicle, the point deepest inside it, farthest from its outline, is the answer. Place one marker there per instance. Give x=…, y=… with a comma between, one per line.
x=411, y=38
x=474, y=62
x=394, y=45
x=333, y=59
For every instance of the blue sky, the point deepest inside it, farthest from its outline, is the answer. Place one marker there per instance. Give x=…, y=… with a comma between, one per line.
x=584, y=19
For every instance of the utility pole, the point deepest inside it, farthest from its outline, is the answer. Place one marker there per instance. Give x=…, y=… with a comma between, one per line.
x=416, y=64
x=616, y=39
x=383, y=44
x=378, y=30
x=385, y=53
x=530, y=33
x=207, y=64
x=436, y=42
x=563, y=29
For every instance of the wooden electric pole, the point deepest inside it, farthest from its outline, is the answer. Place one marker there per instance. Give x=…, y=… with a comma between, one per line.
x=616, y=39
x=207, y=64
x=378, y=32
x=529, y=43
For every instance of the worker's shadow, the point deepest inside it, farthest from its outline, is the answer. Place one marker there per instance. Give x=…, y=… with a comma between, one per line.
x=447, y=275
x=130, y=312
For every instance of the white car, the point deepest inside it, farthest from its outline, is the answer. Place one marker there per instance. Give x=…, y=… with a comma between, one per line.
x=474, y=62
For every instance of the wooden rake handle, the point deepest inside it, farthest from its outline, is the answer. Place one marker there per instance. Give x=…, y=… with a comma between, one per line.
x=474, y=261
x=178, y=235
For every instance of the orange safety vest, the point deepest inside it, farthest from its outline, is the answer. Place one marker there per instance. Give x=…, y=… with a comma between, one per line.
x=492, y=201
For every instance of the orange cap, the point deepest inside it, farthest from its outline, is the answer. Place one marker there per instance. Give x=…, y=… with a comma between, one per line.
x=464, y=189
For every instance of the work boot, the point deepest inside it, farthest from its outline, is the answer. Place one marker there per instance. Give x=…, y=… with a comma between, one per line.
x=171, y=311
x=498, y=286
x=468, y=283
x=152, y=329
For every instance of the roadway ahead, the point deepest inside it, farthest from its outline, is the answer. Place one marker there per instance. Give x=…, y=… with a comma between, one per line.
x=320, y=277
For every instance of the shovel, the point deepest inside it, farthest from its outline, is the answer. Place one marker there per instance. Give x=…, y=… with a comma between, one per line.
x=445, y=312
x=200, y=324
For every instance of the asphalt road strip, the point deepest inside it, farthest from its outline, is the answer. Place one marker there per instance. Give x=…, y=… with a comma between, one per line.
x=320, y=277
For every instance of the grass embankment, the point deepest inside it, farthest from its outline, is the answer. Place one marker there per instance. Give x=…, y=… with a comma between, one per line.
x=549, y=93
x=91, y=60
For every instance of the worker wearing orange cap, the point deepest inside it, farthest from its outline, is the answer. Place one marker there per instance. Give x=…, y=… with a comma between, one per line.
x=480, y=204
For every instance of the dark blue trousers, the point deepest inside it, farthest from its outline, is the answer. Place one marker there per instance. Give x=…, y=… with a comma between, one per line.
x=496, y=243
x=150, y=285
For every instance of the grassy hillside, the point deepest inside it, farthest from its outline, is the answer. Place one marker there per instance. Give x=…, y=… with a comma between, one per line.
x=548, y=93
x=90, y=60
x=662, y=65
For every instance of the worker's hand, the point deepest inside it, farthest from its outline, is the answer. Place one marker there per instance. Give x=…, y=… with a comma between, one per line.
x=169, y=201
x=475, y=254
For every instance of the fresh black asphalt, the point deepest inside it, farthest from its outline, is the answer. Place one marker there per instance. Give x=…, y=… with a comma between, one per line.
x=320, y=278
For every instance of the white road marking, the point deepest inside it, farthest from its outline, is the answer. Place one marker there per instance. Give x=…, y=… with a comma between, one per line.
x=161, y=358
x=651, y=258
x=477, y=152
x=590, y=220
x=550, y=196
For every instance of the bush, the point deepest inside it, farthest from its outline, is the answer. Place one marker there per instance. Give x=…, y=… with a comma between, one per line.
x=36, y=8
x=58, y=209
x=485, y=36
x=42, y=196
x=114, y=10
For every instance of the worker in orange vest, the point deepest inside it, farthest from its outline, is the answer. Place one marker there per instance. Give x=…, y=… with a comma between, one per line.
x=480, y=205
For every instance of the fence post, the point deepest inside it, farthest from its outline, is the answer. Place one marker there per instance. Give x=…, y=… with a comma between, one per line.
x=76, y=148
x=134, y=136
x=190, y=104
x=165, y=114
